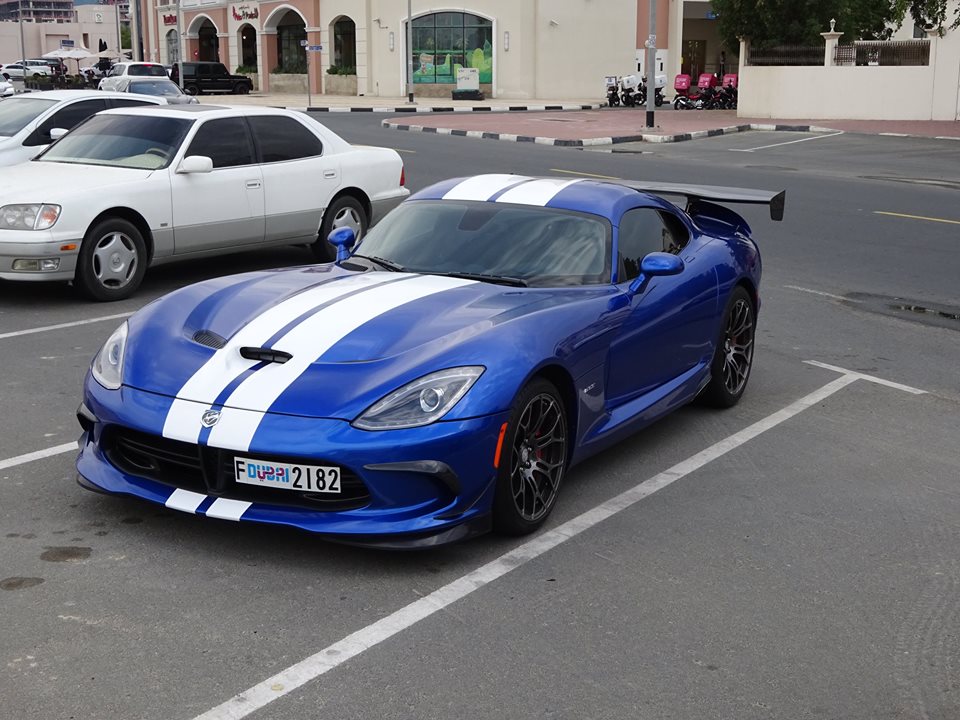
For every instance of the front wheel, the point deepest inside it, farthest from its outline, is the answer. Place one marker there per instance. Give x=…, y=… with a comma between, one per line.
x=533, y=460
x=345, y=211
x=191, y=89
x=112, y=261
x=733, y=357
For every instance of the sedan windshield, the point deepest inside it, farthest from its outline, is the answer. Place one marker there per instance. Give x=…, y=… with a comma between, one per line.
x=133, y=141
x=536, y=245
x=155, y=87
x=15, y=113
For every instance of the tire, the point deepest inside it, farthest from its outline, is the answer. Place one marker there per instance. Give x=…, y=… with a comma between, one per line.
x=676, y=104
x=241, y=89
x=191, y=89
x=533, y=460
x=112, y=261
x=733, y=358
x=345, y=210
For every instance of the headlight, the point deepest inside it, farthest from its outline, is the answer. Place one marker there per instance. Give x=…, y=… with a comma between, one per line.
x=29, y=217
x=421, y=402
x=108, y=365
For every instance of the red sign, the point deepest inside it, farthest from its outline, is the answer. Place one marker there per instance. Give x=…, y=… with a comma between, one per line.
x=169, y=19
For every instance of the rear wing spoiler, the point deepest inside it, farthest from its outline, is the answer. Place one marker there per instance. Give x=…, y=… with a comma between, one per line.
x=776, y=200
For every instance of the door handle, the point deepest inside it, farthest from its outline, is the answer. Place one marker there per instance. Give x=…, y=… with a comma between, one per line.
x=253, y=184
x=329, y=173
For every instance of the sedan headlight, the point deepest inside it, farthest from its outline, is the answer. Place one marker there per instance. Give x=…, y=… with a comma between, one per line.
x=29, y=217
x=420, y=402
x=108, y=365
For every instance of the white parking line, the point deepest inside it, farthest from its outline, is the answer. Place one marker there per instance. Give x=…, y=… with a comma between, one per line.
x=789, y=142
x=329, y=658
x=821, y=293
x=37, y=455
x=869, y=378
x=61, y=326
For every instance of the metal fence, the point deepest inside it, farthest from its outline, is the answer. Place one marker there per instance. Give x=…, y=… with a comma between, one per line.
x=883, y=52
x=787, y=55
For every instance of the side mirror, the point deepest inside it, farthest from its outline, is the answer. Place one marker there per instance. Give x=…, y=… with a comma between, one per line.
x=343, y=239
x=653, y=265
x=56, y=134
x=196, y=164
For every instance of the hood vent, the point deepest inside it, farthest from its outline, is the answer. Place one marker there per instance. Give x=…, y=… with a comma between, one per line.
x=210, y=339
x=265, y=354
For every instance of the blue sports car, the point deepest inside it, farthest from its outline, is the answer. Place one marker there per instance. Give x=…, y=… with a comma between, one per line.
x=441, y=377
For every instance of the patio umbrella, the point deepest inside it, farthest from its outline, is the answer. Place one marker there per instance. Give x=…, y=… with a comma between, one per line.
x=74, y=53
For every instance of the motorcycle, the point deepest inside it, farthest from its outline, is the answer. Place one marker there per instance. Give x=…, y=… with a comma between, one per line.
x=705, y=98
x=613, y=90
x=622, y=90
x=658, y=98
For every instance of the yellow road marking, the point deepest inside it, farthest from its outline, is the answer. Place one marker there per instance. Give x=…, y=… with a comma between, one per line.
x=585, y=174
x=917, y=217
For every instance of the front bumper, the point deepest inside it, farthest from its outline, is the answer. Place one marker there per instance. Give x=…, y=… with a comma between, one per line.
x=32, y=245
x=423, y=486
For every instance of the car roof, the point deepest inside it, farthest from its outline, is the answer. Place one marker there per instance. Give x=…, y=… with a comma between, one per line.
x=73, y=95
x=191, y=111
x=606, y=199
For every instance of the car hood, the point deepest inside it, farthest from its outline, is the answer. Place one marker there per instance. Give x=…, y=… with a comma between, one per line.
x=33, y=182
x=319, y=341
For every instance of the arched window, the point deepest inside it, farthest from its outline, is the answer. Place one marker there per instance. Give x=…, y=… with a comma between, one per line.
x=291, y=56
x=173, y=48
x=446, y=41
x=209, y=44
x=345, y=44
x=248, y=46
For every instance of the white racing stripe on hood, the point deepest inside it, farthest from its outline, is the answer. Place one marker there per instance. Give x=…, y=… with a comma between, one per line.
x=538, y=192
x=483, y=187
x=307, y=342
x=183, y=419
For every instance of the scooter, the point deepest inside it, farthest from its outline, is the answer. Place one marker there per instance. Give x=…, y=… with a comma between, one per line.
x=629, y=89
x=613, y=91
x=660, y=82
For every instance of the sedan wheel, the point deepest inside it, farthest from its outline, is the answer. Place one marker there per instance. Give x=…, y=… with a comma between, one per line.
x=528, y=479
x=733, y=357
x=345, y=211
x=112, y=260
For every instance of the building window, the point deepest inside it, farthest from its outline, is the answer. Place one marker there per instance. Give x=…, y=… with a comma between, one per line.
x=446, y=41
x=345, y=44
x=173, y=48
x=291, y=56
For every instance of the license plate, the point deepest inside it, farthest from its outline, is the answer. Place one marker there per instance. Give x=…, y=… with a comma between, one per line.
x=286, y=476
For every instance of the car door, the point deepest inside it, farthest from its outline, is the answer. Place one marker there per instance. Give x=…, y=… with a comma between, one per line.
x=668, y=329
x=110, y=81
x=298, y=179
x=67, y=117
x=220, y=78
x=222, y=208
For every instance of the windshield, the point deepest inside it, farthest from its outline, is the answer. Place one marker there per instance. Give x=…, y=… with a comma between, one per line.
x=15, y=113
x=147, y=70
x=155, y=87
x=540, y=246
x=133, y=141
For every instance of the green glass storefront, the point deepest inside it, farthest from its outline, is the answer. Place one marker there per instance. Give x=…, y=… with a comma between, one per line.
x=446, y=41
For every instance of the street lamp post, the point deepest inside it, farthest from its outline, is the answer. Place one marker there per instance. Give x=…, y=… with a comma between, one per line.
x=652, y=64
x=23, y=45
x=410, y=52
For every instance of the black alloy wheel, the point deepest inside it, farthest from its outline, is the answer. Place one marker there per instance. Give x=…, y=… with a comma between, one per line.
x=733, y=357
x=533, y=460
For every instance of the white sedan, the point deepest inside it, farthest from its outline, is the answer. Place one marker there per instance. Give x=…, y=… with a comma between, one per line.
x=6, y=88
x=138, y=187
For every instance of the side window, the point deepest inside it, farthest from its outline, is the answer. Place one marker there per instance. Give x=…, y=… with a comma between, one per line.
x=643, y=231
x=283, y=138
x=218, y=71
x=66, y=118
x=224, y=141
x=123, y=102
x=203, y=71
x=117, y=70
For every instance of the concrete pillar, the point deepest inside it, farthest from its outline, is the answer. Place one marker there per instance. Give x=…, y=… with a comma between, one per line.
x=831, y=39
x=744, y=51
x=315, y=36
x=223, y=50
x=266, y=56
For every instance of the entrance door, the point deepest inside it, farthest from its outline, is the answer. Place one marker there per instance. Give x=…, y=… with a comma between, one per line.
x=694, y=58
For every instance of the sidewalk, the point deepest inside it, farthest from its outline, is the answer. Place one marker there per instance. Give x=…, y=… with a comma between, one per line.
x=340, y=103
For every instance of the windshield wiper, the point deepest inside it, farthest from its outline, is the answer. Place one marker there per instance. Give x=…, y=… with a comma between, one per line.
x=391, y=266
x=499, y=279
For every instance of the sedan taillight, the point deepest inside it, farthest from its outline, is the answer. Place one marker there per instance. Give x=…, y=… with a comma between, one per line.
x=403, y=176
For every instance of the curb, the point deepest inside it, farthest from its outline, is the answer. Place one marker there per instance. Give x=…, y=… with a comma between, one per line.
x=449, y=108
x=592, y=142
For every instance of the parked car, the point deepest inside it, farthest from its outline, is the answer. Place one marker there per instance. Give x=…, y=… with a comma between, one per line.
x=161, y=87
x=27, y=119
x=6, y=89
x=490, y=333
x=131, y=69
x=197, y=78
x=27, y=68
x=137, y=187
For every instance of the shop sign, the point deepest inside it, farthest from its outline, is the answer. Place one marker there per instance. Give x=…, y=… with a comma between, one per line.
x=244, y=12
x=169, y=19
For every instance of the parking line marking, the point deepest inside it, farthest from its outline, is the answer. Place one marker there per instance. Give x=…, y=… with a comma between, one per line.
x=61, y=326
x=310, y=668
x=817, y=292
x=585, y=174
x=917, y=217
x=37, y=455
x=869, y=378
x=789, y=142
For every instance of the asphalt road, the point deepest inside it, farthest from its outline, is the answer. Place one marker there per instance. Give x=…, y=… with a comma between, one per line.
x=799, y=560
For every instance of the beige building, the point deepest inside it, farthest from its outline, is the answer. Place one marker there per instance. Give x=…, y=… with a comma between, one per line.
x=520, y=48
x=93, y=23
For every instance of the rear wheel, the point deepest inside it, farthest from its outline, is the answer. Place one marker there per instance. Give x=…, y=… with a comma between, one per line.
x=533, y=460
x=733, y=358
x=345, y=211
x=112, y=260
x=241, y=89
x=191, y=89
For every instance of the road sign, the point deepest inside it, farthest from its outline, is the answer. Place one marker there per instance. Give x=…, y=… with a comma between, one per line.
x=314, y=48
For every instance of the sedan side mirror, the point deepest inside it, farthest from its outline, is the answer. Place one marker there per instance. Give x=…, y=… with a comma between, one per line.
x=56, y=134
x=653, y=265
x=196, y=164
x=343, y=239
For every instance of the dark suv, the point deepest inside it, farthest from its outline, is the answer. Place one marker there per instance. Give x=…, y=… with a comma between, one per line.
x=197, y=78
